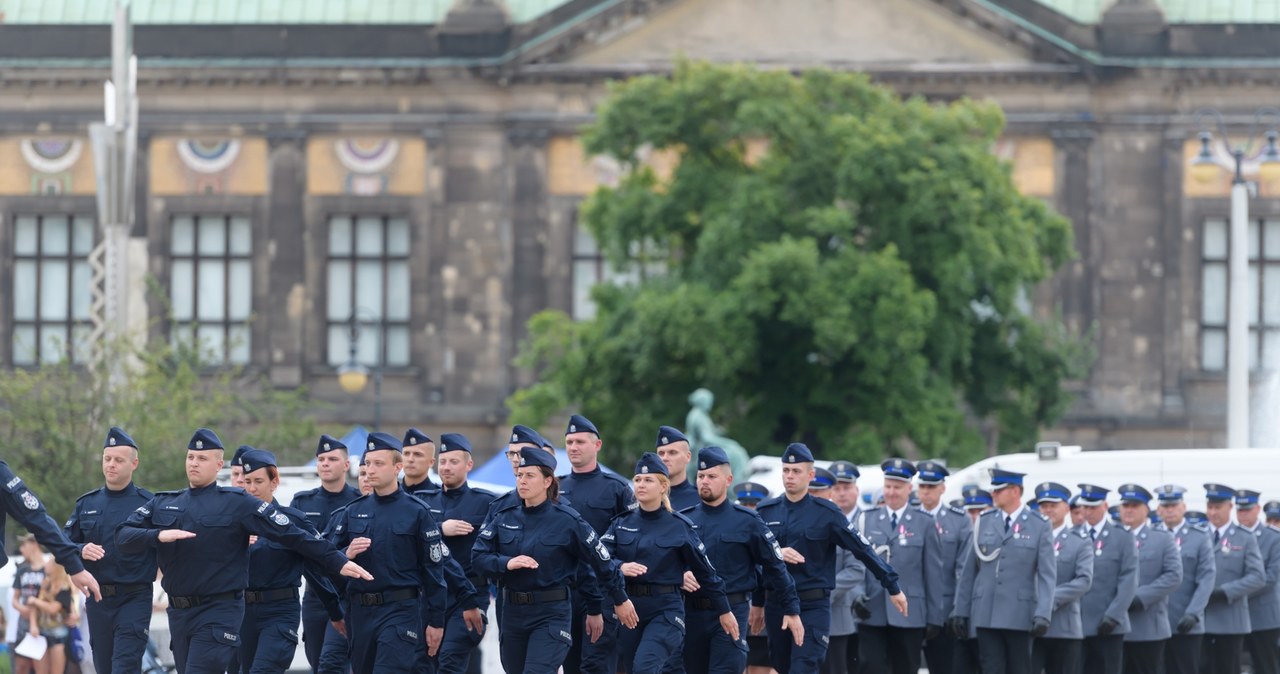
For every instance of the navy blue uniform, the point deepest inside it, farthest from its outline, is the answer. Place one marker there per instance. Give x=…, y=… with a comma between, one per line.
x=387, y=615
x=599, y=497
x=23, y=505
x=318, y=505
x=119, y=623
x=683, y=495
x=205, y=576
x=813, y=527
x=472, y=506
x=537, y=611
x=269, y=633
x=665, y=543
x=741, y=548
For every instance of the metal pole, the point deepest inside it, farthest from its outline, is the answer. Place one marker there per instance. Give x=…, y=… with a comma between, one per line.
x=1237, y=318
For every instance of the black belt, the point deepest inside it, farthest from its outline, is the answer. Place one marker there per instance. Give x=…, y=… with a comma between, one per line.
x=477, y=581
x=263, y=596
x=113, y=589
x=535, y=597
x=380, y=598
x=816, y=593
x=705, y=604
x=197, y=600
x=648, y=590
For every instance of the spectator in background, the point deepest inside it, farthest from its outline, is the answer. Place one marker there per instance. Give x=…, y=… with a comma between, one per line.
x=51, y=610
x=27, y=580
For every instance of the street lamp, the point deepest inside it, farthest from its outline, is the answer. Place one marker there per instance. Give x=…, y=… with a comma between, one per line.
x=353, y=376
x=1205, y=169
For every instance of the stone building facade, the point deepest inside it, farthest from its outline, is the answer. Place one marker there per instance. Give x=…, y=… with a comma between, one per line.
x=420, y=168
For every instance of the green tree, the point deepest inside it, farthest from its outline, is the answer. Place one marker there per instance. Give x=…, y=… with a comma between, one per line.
x=855, y=286
x=53, y=419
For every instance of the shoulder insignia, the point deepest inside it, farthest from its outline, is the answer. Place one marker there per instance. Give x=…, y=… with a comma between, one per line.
x=771, y=501
x=688, y=522
x=690, y=509
x=1080, y=532
x=1046, y=519
x=145, y=494
x=956, y=511
x=88, y=494
x=742, y=508
x=1274, y=528
x=232, y=490
x=170, y=493
x=484, y=492
x=619, y=479
x=1201, y=526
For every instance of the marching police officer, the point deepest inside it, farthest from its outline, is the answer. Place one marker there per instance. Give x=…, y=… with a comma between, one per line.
x=907, y=538
x=118, y=624
x=1187, y=602
x=653, y=548
x=1104, y=610
x=22, y=504
x=419, y=455
x=318, y=504
x=462, y=510
x=810, y=530
x=405, y=599
x=535, y=548
x=1006, y=583
x=598, y=497
x=737, y=542
x=1239, y=573
x=954, y=528
x=201, y=537
x=1264, y=605
x=673, y=448
x=749, y=495
x=1060, y=650
x=842, y=652
x=1159, y=574
x=237, y=468
x=269, y=631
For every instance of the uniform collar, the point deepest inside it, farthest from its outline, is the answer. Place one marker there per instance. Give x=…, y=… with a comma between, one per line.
x=1222, y=529
x=126, y=490
x=1138, y=529
x=1013, y=516
x=900, y=512
x=1066, y=524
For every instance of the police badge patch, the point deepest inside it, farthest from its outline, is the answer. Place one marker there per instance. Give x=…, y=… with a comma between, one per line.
x=29, y=500
x=777, y=551
x=602, y=551
x=280, y=518
x=436, y=555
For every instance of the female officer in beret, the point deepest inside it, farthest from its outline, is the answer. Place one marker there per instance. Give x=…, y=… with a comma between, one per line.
x=269, y=633
x=534, y=548
x=653, y=547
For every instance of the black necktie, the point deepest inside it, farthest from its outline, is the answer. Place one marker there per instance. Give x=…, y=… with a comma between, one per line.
x=1093, y=534
x=1217, y=536
x=1008, y=520
x=893, y=521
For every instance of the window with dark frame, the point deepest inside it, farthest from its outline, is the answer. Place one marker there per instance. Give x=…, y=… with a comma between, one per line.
x=211, y=285
x=1263, y=303
x=590, y=267
x=367, y=276
x=51, y=288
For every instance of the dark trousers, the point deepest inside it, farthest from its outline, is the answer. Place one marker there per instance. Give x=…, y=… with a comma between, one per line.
x=965, y=660
x=1056, y=656
x=585, y=657
x=315, y=626
x=334, y=654
x=708, y=649
x=1220, y=653
x=204, y=639
x=1104, y=655
x=939, y=653
x=786, y=657
x=269, y=636
x=889, y=650
x=658, y=637
x=1262, y=651
x=1144, y=657
x=118, y=631
x=837, y=661
x=454, y=656
x=852, y=663
x=386, y=638
x=1004, y=651
x=535, y=637
x=1182, y=653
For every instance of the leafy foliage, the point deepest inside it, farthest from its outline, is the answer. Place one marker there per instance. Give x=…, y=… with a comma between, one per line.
x=53, y=419
x=843, y=267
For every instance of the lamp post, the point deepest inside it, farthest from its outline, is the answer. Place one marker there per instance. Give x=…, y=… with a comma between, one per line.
x=1205, y=169
x=353, y=376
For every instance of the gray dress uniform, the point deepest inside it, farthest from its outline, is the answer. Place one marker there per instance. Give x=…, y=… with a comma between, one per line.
x=1006, y=582
x=1188, y=600
x=1264, y=605
x=1240, y=573
x=887, y=640
x=1104, y=610
x=954, y=527
x=1059, y=650
x=1159, y=574
x=841, y=653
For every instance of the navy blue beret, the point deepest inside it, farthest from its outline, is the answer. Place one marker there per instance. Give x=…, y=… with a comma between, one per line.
x=534, y=456
x=237, y=459
x=255, y=458
x=454, y=442
x=379, y=440
x=328, y=443
x=581, y=424
x=204, y=439
x=710, y=457
x=668, y=435
x=414, y=436
x=116, y=437
x=797, y=453
x=523, y=435
x=650, y=463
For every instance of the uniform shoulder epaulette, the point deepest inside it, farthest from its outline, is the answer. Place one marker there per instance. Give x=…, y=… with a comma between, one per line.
x=146, y=493
x=1080, y=532
x=307, y=492
x=484, y=492
x=994, y=512
x=957, y=511
x=1160, y=531
x=414, y=498
x=1043, y=517
x=824, y=503
x=618, y=478
x=1274, y=528
x=292, y=512
x=513, y=504
x=1201, y=526
x=172, y=492
x=232, y=490
x=90, y=493
x=689, y=509
x=739, y=506
x=688, y=522
x=772, y=500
